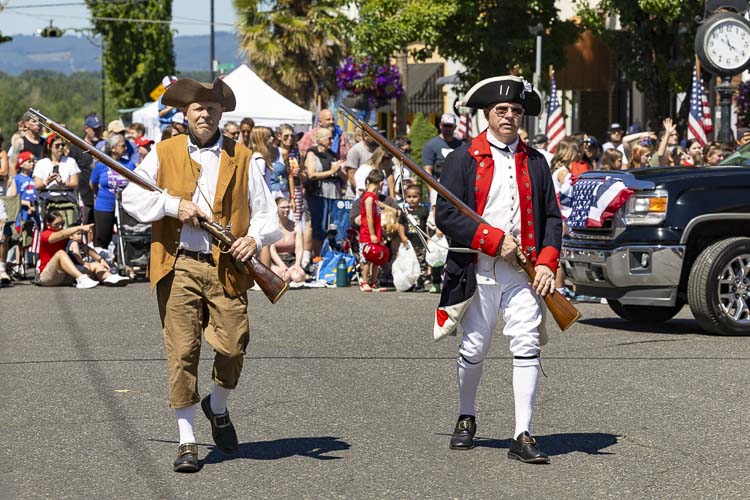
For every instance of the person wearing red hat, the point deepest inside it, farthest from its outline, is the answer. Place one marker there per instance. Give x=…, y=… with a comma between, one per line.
x=144, y=146
x=200, y=292
x=509, y=184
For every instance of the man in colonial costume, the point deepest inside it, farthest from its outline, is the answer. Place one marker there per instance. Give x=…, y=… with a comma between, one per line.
x=509, y=184
x=199, y=290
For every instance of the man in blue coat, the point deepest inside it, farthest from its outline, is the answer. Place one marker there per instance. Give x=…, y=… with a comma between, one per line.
x=509, y=184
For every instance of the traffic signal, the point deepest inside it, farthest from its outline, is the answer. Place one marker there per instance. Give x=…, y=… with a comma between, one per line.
x=51, y=31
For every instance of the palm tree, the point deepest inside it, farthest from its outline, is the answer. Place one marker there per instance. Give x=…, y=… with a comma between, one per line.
x=294, y=45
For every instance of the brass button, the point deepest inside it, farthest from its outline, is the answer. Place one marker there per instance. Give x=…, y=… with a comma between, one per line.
x=527, y=184
x=486, y=231
x=528, y=198
x=476, y=189
x=481, y=241
x=481, y=163
x=479, y=176
x=531, y=235
x=528, y=223
x=476, y=151
x=528, y=210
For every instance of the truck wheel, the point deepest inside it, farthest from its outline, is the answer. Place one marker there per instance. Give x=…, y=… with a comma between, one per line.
x=719, y=287
x=645, y=314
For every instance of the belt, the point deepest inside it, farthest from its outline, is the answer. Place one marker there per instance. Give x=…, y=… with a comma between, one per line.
x=199, y=256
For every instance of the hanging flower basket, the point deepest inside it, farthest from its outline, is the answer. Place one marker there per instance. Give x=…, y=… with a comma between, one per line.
x=365, y=80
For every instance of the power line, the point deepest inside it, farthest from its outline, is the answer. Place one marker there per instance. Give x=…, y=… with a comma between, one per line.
x=181, y=20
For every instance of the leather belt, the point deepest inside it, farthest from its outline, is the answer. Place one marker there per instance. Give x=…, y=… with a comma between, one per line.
x=199, y=256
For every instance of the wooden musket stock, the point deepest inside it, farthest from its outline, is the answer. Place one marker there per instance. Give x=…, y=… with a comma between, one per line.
x=271, y=284
x=564, y=313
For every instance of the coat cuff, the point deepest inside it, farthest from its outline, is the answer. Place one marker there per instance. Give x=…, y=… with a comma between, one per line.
x=487, y=239
x=550, y=257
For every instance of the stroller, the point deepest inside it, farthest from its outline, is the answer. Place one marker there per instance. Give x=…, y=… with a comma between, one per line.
x=132, y=242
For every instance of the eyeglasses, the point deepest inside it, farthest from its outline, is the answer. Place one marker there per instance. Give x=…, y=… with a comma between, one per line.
x=504, y=110
x=286, y=136
x=58, y=145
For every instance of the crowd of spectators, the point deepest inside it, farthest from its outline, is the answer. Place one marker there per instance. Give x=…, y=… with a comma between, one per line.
x=332, y=188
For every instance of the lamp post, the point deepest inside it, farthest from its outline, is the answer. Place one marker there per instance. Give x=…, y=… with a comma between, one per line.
x=537, y=31
x=725, y=91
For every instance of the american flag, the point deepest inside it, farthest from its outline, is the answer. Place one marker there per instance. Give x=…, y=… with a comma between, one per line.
x=464, y=126
x=699, y=121
x=555, y=121
x=586, y=203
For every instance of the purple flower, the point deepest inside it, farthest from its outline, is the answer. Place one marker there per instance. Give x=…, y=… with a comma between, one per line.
x=379, y=83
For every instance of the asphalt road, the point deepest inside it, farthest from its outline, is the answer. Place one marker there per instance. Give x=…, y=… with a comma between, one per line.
x=345, y=395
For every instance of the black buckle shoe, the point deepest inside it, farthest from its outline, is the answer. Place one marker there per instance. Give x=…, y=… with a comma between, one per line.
x=222, y=428
x=187, y=458
x=463, y=434
x=524, y=449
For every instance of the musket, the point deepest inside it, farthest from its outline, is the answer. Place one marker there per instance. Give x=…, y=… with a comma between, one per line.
x=564, y=312
x=273, y=286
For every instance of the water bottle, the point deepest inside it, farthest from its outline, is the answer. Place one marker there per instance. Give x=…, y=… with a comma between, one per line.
x=342, y=274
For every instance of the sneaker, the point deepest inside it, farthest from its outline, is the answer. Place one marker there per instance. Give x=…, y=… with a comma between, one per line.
x=116, y=280
x=84, y=281
x=4, y=278
x=435, y=288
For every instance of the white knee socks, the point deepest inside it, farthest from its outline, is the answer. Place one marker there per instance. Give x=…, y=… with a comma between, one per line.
x=185, y=417
x=525, y=380
x=218, y=400
x=468, y=382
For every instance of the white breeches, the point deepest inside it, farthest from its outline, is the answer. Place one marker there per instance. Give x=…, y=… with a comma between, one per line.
x=521, y=313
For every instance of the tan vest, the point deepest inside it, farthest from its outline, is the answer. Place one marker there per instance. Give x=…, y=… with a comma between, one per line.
x=178, y=174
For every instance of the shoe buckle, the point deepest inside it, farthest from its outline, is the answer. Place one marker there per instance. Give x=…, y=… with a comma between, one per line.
x=222, y=421
x=464, y=425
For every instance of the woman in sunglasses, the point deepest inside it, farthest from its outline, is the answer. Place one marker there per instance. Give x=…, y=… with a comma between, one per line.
x=56, y=170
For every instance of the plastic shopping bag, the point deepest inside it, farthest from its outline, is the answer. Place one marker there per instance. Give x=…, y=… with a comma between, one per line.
x=405, y=269
x=437, y=251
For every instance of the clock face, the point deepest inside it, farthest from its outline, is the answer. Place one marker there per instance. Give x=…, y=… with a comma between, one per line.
x=727, y=45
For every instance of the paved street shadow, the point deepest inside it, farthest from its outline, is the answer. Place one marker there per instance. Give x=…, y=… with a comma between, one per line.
x=311, y=447
x=591, y=443
x=673, y=326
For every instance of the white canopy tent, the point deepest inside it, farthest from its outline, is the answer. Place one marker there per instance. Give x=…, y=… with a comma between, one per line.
x=148, y=115
x=257, y=100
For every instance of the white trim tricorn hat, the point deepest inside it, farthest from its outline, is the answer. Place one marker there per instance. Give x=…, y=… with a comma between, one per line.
x=504, y=89
x=185, y=91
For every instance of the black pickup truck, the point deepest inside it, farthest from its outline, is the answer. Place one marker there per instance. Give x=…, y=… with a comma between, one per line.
x=682, y=237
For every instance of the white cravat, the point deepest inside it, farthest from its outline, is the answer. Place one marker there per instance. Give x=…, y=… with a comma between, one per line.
x=502, y=209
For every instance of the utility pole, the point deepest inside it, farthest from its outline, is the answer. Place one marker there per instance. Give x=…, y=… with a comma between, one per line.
x=213, y=58
x=537, y=32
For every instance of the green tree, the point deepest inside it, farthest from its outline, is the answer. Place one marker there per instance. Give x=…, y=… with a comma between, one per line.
x=386, y=27
x=64, y=98
x=295, y=45
x=137, y=55
x=489, y=37
x=421, y=131
x=654, y=48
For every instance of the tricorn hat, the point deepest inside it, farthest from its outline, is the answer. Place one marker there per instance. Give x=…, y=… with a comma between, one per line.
x=504, y=89
x=185, y=91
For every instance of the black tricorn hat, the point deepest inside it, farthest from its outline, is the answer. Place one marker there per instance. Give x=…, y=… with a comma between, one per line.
x=185, y=91
x=504, y=89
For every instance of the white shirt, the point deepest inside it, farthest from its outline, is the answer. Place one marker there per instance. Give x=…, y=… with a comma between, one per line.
x=68, y=168
x=150, y=206
x=502, y=209
x=620, y=148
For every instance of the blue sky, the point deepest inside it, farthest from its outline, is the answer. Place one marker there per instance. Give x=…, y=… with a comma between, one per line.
x=190, y=17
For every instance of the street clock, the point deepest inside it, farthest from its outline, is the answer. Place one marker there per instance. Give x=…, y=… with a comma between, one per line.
x=722, y=44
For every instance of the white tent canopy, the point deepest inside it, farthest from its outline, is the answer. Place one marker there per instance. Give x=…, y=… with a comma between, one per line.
x=257, y=100
x=148, y=115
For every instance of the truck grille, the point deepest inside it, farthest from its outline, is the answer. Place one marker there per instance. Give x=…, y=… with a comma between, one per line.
x=605, y=232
